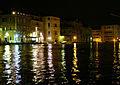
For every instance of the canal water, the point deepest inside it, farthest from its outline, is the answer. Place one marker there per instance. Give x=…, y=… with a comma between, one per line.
x=39, y=64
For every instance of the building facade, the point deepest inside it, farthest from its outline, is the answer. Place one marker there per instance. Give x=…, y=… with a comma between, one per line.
x=73, y=31
x=37, y=29
x=20, y=27
x=110, y=33
x=51, y=28
x=15, y=27
x=96, y=35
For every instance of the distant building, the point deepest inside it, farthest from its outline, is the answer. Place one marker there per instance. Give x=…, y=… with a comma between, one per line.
x=51, y=28
x=73, y=31
x=96, y=35
x=110, y=32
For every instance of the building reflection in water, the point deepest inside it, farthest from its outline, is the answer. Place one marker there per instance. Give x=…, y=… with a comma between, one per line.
x=75, y=66
x=12, y=58
x=38, y=63
x=94, y=68
x=116, y=64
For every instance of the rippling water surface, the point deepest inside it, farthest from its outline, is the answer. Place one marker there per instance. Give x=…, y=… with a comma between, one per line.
x=39, y=64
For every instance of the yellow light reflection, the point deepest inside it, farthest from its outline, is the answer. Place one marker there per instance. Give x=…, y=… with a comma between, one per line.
x=98, y=75
x=96, y=49
x=75, y=68
x=94, y=72
x=116, y=64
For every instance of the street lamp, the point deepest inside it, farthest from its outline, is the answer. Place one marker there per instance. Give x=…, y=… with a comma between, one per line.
x=13, y=12
x=74, y=37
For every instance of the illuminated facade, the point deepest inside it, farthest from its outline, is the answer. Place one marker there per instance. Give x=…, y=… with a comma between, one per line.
x=73, y=31
x=15, y=27
x=96, y=35
x=110, y=33
x=36, y=32
x=51, y=28
x=20, y=27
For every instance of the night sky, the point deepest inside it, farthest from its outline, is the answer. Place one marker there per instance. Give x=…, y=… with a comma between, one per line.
x=90, y=13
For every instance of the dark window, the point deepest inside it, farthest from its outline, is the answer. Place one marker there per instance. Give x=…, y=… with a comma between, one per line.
x=48, y=24
x=48, y=18
x=48, y=33
x=10, y=19
x=37, y=24
x=4, y=19
x=10, y=38
x=55, y=25
x=55, y=32
x=10, y=28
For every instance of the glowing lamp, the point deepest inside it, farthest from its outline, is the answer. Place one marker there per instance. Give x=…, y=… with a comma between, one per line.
x=7, y=34
x=13, y=12
x=16, y=35
x=114, y=40
x=74, y=37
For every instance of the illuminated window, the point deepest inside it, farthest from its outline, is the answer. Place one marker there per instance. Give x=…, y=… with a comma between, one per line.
x=4, y=19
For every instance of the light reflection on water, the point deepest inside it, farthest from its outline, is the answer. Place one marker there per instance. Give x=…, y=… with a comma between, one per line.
x=38, y=63
x=75, y=68
x=51, y=64
x=116, y=65
x=12, y=66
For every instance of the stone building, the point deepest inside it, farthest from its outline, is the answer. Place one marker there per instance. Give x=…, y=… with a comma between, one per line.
x=51, y=28
x=73, y=31
x=19, y=27
x=96, y=35
x=15, y=27
x=110, y=33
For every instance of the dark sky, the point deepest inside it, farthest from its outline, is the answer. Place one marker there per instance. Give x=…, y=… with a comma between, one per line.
x=90, y=12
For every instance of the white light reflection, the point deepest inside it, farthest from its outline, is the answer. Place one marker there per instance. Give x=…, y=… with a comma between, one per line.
x=38, y=63
x=7, y=62
x=16, y=61
x=75, y=68
x=12, y=64
x=51, y=69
